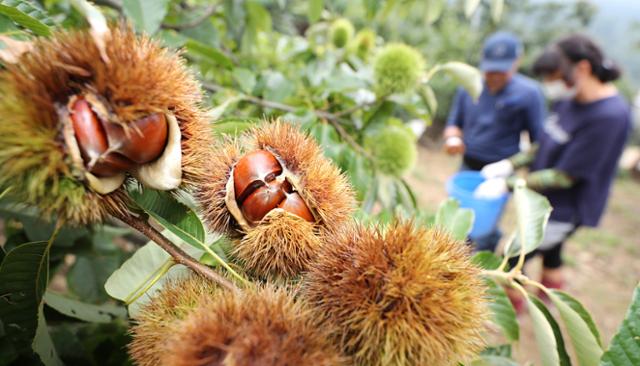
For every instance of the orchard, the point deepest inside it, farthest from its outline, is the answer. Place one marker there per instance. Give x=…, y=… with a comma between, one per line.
x=228, y=183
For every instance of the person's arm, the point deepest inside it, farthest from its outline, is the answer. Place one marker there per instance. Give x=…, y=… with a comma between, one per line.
x=545, y=179
x=524, y=158
x=535, y=114
x=455, y=122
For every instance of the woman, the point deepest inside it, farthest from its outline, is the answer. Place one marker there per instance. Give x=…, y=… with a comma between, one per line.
x=575, y=161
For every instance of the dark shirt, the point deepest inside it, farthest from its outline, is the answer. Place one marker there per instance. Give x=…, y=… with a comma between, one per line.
x=584, y=140
x=492, y=125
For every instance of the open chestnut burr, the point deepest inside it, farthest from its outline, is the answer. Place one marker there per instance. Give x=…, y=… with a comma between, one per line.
x=277, y=195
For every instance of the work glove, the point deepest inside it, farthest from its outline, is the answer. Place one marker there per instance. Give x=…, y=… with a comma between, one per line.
x=500, y=169
x=491, y=189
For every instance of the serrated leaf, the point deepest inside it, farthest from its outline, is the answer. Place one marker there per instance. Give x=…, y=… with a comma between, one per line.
x=582, y=311
x=457, y=221
x=469, y=77
x=497, y=7
x=82, y=310
x=314, y=10
x=470, y=7
x=171, y=214
x=434, y=10
x=624, y=349
x=532, y=214
x=23, y=280
x=545, y=337
x=588, y=351
x=561, y=349
x=504, y=315
x=27, y=15
x=147, y=15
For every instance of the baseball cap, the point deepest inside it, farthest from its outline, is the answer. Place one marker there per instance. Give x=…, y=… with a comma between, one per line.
x=500, y=51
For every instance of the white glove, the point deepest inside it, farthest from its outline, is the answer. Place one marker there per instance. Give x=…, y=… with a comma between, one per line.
x=491, y=189
x=500, y=169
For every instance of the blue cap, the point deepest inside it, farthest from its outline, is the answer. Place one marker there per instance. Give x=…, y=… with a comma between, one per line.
x=500, y=51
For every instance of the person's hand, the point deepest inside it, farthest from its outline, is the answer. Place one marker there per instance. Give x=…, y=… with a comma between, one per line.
x=491, y=189
x=454, y=145
x=500, y=169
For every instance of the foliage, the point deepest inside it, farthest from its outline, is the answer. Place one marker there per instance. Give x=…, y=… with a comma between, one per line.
x=359, y=96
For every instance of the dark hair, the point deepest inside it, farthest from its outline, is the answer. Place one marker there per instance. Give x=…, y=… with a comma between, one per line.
x=579, y=47
x=549, y=62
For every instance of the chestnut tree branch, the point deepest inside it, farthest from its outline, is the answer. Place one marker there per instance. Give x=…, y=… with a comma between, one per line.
x=332, y=118
x=179, y=255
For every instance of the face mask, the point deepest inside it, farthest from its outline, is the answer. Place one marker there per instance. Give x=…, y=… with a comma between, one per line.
x=557, y=90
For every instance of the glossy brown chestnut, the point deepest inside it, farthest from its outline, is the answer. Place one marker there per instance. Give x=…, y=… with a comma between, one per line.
x=259, y=165
x=261, y=201
x=89, y=132
x=294, y=204
x=145, y=140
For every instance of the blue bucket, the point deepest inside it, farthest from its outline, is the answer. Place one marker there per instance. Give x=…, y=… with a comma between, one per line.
x=487, y=211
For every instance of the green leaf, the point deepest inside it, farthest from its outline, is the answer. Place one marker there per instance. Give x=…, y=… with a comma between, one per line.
x=208, y=53
x=585, y=343
x=232, y=126
x=466, y=75
x=43, y=344
x=486, y=260
x=23, y=280
x=457, y=221
x=89, y=272
x=493, y=361
x=504, y=315
x=259, y=19
x=545, y=336
x=143, y=273
x=497, y=7
x=470, y=7
x=27, y=15
x=532, y=214
x=314, y=10
x=434, y=10
x=170, y=213
x=429, y=98
x=502, y=350
x=624, y=349
x=82, y=310
x=582, y=311
x=561, y=349
x=245, y=78
x=147, y=15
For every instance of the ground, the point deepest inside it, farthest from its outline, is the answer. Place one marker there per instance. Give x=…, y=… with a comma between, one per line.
x=603, y=264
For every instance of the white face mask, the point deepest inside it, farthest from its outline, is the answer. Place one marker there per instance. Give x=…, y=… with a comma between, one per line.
x=558, y=90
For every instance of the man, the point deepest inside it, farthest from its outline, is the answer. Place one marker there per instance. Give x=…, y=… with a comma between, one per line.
x=488, y=130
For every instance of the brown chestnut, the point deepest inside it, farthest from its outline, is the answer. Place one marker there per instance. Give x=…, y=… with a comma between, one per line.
x=259, y=165
x=261, y=201
x=145, y=140
x=294, y=204
x=89, y=132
